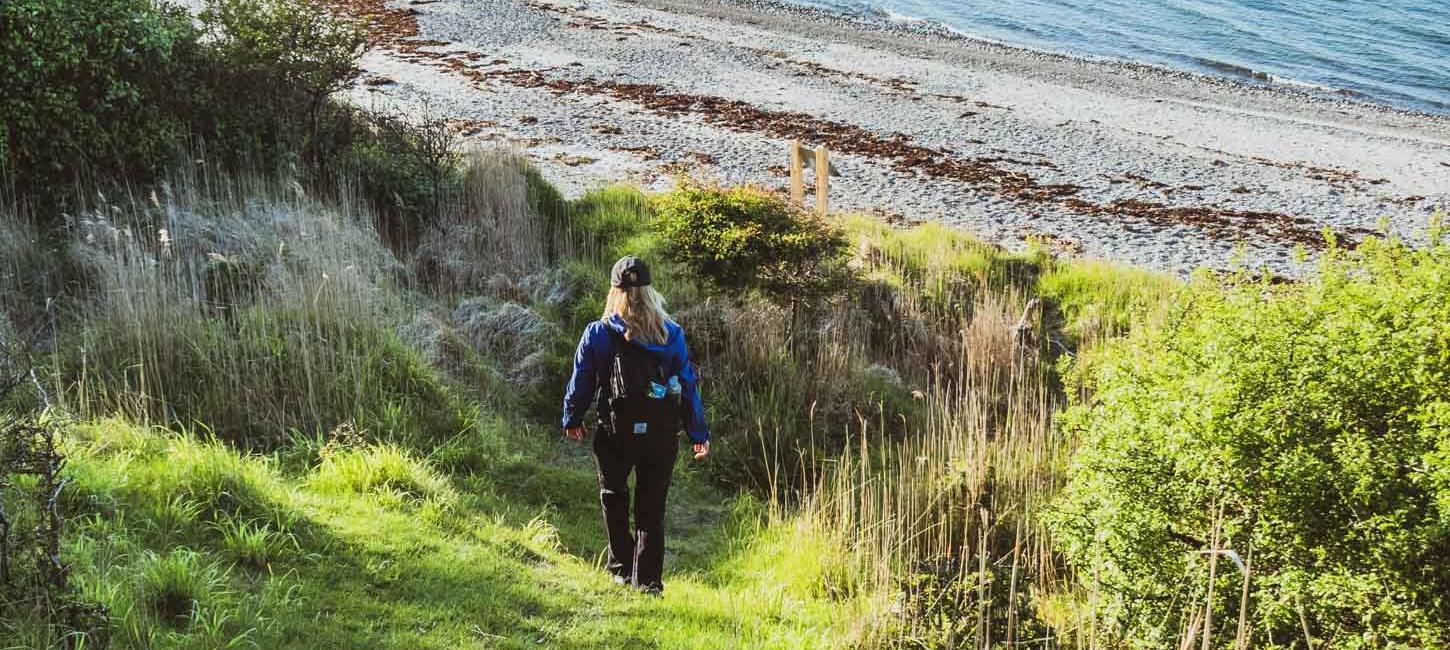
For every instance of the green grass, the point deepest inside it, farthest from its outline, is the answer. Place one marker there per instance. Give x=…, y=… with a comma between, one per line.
x=196, y=545
x=932, y=249
x=1096, y=299
x=380, y=469
x=1087, y=299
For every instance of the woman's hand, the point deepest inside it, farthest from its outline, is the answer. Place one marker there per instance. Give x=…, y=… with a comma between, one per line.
x=702, y=449
x=574, y=433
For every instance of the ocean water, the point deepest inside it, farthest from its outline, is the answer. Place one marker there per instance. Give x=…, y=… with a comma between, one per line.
x=1390, y=51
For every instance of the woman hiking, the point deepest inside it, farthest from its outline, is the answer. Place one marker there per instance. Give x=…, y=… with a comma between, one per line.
x=635, y=360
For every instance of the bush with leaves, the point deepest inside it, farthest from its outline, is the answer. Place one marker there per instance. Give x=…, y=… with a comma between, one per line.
x=409, y=170
x=274, y=63
x=112, y=89
x=1304, y=427
x=746, y=238
x=91, y=87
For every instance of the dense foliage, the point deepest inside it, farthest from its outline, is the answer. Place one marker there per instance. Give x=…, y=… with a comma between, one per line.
x=116, y=90
x=274, y=64
x=1306, y=428
x=747, y=238
x=95, y=86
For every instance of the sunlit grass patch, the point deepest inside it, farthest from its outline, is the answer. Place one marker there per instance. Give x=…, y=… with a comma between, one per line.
x=253, y=544
x=182, y=481
x=380, y=469
x=1098, y=299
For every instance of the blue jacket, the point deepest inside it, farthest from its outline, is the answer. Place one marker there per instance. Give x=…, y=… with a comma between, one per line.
x=595, y=355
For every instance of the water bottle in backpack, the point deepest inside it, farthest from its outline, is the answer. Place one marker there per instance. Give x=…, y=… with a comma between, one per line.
x=676, y=390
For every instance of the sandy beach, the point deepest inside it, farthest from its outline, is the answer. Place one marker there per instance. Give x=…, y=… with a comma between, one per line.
x=1123, y=161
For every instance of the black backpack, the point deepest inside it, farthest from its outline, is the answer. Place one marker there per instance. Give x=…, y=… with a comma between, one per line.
x=633, y=410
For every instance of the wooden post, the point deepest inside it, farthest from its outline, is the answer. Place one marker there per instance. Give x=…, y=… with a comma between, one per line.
x=823, y=180
x=820, y=158
x=797, y=174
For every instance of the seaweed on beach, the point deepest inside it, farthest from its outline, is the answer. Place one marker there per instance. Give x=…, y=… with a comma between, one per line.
x=998, y=175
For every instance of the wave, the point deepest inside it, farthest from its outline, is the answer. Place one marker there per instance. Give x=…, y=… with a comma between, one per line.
x=1249, y=74
x=879, y=16
x=1233, y=70
x=1346, y=92
x=873, y=13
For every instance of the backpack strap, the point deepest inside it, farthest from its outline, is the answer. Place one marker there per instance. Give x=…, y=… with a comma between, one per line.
x=625, y=363
x=616, y=371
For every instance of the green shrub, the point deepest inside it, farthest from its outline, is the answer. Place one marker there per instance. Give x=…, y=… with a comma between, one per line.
x=97, y=86
x=406, y=170
x=1317, y=418
x=746, y=238
x=273, y=64
x=112, y=89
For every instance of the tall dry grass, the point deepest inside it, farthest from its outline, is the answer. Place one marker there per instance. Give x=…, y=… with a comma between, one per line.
x=488, y=228
x=241, y=304
x=942, y=517
x=915, y=432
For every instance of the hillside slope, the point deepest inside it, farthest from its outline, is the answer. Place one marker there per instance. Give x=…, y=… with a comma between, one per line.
x=339, y=449
x=374, y=548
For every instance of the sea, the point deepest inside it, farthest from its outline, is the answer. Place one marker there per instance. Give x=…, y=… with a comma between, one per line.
x=1395, y=52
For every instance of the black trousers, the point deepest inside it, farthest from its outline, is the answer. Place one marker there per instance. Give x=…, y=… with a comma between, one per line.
x=637, y=556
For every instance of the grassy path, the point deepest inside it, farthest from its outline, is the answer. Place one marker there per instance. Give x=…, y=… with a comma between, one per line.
x=386, y=551
x=518, y=568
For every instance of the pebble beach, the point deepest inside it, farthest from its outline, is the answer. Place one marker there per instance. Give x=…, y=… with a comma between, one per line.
x=1109, y=159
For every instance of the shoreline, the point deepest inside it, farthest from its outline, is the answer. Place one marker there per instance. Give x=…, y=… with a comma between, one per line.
x=1249, y=79
x=932, y=33
x=1125, y=161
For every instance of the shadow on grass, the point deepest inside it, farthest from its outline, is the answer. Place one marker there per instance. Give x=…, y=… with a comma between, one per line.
x=391, y=581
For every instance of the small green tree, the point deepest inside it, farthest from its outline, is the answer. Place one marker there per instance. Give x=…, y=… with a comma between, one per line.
x=746, y=238
x=283, y=58
x=1306, y=428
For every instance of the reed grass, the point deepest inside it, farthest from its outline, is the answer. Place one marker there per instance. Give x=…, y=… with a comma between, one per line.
x=242, y=304
x=931, y=490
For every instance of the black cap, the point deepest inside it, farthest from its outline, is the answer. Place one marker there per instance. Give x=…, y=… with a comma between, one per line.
x=629, y=272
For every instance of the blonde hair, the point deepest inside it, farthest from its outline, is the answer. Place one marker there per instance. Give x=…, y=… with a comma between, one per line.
x=643, y=311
